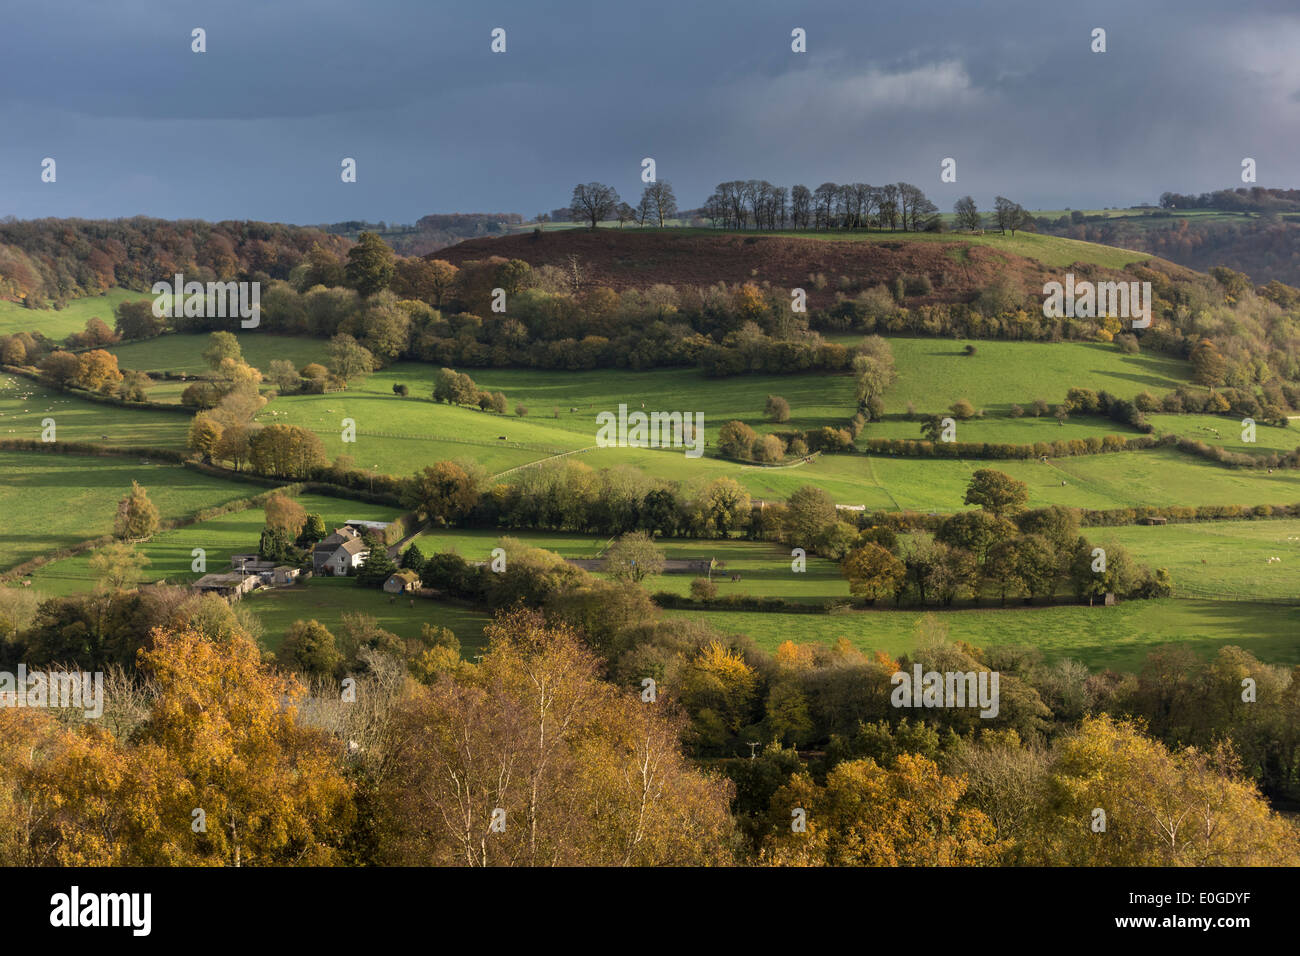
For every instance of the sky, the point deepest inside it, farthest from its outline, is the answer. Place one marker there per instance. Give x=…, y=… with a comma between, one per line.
x=257, y=126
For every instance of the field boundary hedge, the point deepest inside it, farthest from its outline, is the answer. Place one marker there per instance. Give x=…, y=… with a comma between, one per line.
x=1098, y=518
x=99, y=397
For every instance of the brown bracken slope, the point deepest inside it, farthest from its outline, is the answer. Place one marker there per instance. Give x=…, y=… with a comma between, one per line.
x=623, y=259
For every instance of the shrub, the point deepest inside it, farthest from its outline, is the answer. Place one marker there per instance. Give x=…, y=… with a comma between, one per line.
x=702, y=589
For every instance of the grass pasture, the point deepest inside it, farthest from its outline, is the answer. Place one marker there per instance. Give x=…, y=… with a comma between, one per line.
x=25, y=404
x=58, y=324
x=53, y=501
x=1125, y=479
x=328, y=599
x=184, y=352
x=1117, y=638
x=1226, y=432
x=934, y=373
x=1220, y=559
x=764, y=568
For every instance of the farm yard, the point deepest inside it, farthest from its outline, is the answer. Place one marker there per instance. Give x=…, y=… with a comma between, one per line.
x=170, y=552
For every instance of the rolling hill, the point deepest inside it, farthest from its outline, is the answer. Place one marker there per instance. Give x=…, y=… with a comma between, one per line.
x=957, y=265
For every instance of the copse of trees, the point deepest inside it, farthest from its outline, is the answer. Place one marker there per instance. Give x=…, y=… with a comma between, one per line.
x=457, y=388
x=756, y=203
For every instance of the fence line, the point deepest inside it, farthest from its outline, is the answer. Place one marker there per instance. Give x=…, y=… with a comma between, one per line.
x=540, y=461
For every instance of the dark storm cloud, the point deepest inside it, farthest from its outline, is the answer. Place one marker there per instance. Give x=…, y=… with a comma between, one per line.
x=256, y=126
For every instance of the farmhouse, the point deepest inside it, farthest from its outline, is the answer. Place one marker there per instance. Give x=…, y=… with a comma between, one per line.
x=340, y=552
x=400, y=582
x=233, y=585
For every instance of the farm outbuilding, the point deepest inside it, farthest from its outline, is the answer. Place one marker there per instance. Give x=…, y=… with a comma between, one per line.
x=400, y=582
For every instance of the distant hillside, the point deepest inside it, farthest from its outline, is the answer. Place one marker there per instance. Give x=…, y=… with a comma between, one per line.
x=957, y=266
x=1263, y=245
x=432, y=232
x=47, y=262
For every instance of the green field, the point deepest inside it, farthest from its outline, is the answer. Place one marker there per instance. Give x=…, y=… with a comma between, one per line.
x=1117, y=638
x=1226, y=431
x=1220, y=559
x=398, y=435
x=54, y=501
x=170, y=553
x=934, y=373
x=57, y=324
x=1127, y=479
x=24, y=406
x=998, y=429
x=328, y=599
x=764, y=568
x=184, y=353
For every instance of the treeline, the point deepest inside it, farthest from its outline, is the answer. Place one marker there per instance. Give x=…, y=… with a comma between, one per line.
x=1241, y=199
x=756, y=203
x=52, y=261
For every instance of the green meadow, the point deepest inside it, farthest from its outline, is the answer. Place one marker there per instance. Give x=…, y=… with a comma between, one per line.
x=934, y=373
x=1221, y=559
x=53, y=501
x=999, y=430
x=57, y=324
x=1125, y=479
x=764, y=568
x=1116, y=638
x=184, y=352
x=25, y=405
x=328, y=599
x=1227, y=432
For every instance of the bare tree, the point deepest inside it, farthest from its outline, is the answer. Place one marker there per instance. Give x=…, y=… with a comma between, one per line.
x=889, y=207
x=800, y=206
x=593, y=202
x=1008, y=215
x=824, y=199
x=967, y=214
x=662, y=202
